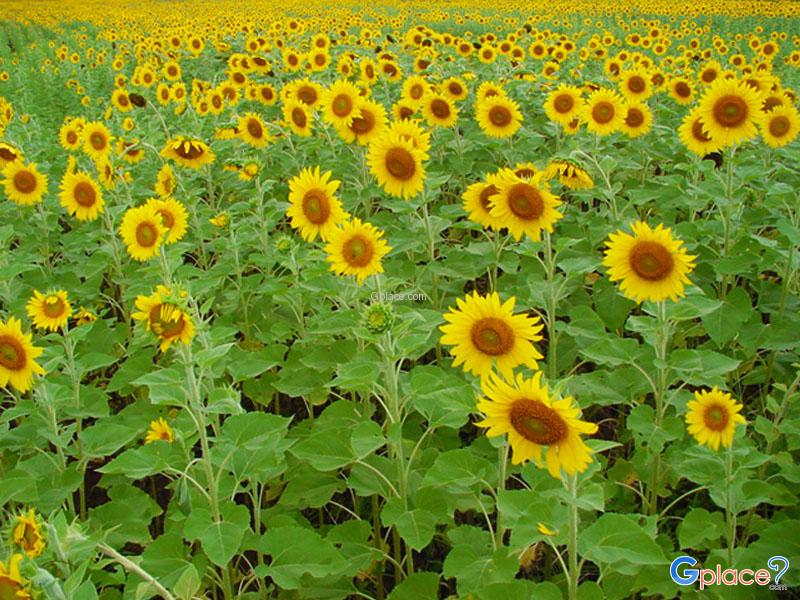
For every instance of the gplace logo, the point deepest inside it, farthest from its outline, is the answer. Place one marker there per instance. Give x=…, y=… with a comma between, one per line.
x=720, y=576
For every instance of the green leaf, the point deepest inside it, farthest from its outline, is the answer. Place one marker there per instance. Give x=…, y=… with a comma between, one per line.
x=702, y=367
x=359, y=374
x=416, y=526
x=296, y=551
x=441, y=395
x=188, y=583
x=221, y=541
x=619, y=538
x=699, y=526
x=417, y=586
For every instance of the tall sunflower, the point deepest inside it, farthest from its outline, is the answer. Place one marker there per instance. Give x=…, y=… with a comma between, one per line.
x=651, y=264
x=498, y=116
x=174, y=217
x=163, y=315
x=356, y=248
x=143, y=232
x=731, y=110
x=397, y=165
x=69, y=136
x=485, y=333
x=27, y=534
x=569, y=174
x=638, y=119
x=603, y=112
x=439, y=110
x=476, y=201
x=368, y=126
x=339, y=103
x=23, y=184
x=780, y=126
x=165, y=181
x=49, y=311
x=314, y=208
x=188, y=152
x=534, y=421
x=96, y=140
x=297, y=116
x=524, y=206
x=17, y=356
x=81, y=196
x=252, y=131
x=712, y=417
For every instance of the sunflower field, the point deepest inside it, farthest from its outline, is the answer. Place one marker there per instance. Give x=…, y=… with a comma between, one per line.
x=399, y=301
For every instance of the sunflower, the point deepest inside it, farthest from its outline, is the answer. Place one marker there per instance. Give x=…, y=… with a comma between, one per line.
x=314, y=209
x=638, y=119
x=455, y=89
x=411, y=130
x=17, y=354
x=84, y=316
x=12, y=584
x=439, y=110
x=23, y=184
x=49, y=311
x=121, y=101
x=635, y=85
x=524, y=206
x=563, y=104
x=96, y=140
x=173, y=216
x=8, y=154
x=297, y=116
x=681, y=90
x=306, y=91
x=81, y=196
x=188, y=152
x=730, y=110
x=252, y=131
x=27, y=534
x=69, y=136
x=693, y=134
x=143, y=231
x=712, y=417
x=339, y=103
x=476, y=202
x=498, y=116
x=485, y=333
x=356, y=248
x=651, y=263
x=534, y=421
x=397, y=165
x=165, y=181
x=603, y=112
x=163, y=316
x=159, y=431
x=569, y=174
x=780, y=126
x=367, y=127
x=414, y=90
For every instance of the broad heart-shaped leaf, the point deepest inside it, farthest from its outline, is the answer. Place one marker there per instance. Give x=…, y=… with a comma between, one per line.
x=136, y=463
x=417, y=586
x=441, y=395
x=296, y=551
x=619, y=538
x=698, y=526
x=325, y=444
x=472, y=568
x=702, y=367
x=416, y=526
x=165, y=385
x=254, y=445
x=221, y=541
x=357, y=374
x=613, y=351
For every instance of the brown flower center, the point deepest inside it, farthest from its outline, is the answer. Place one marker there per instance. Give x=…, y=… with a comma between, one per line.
x=603, y=112
x=487, y=192
x=342, y=105
x=97, y=140
x=72, y=137
x=637, y=84
x=524, y=173
x=500, y=116
x=316, y=207
x=163, y=325
x=307, y=95
x=634, y=118
x=358, y=251
x=53, y=307
x=455, y=88
x=254, y=129
x=779, y=126
x=12, y=354
x=363, y=124
x=682, y=89
x=167, y=218
x=651, y=260
x=525, y=201
x=416, y=91
x=563, y=103
x=730, y=111
x=299, y=117
x=7, y=154
x=715, y=417
x=400, y=163
x=708, y=75
x=492, y=336
x=146, y=234
x=537, y=422
x=25, y=182
x=84, y=194
x=405, y=112
x=698, y=133
x=440, y=108
x=190, y=150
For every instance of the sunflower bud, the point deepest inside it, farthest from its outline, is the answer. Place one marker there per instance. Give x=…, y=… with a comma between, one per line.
x=378, y=318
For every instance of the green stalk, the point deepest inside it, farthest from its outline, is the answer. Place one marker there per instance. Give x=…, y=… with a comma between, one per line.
x=661, y=385
x=730, y=514
x=573, y=575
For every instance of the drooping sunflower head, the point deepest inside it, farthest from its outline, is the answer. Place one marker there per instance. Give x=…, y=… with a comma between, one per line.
x=81, y=196
x=498, y=116
x=143, y=232
x=536, y=423
x=569, y=174
x=24, y=184
x=12, y=584
x=27, y=534
x=356, y=248
x=524, y=206
x=49, y=311
x=712, y=417
x=191, y=153
x=17, y=356
x=485, y=334
x=314, y=208
x=651, y=264
x=165, y=181
x=159, y=431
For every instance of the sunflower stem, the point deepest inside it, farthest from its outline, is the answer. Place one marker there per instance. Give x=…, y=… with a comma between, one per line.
x=661, y=346
x=573, y=576
x=552, y=301
x=501, y=486
x=725, y=215
x=730, y=514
